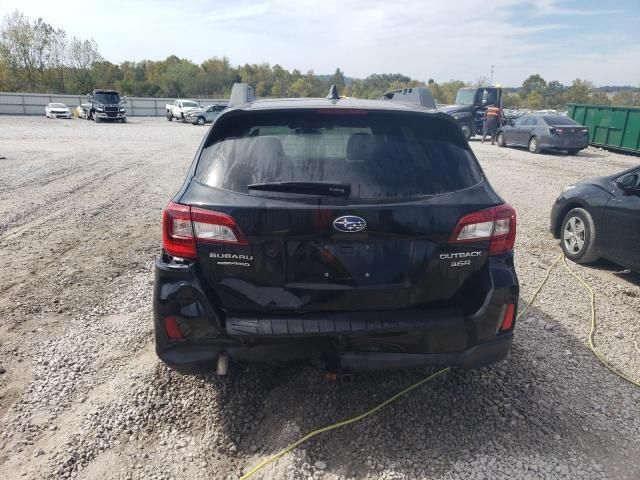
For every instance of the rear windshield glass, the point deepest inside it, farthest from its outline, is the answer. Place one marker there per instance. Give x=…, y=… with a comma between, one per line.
x=555, y=120
x=380, y=155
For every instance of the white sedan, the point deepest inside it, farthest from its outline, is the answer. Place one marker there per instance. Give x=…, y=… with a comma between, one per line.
x=57, y=110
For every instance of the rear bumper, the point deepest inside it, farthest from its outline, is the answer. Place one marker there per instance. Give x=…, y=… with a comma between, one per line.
x=371, y=340
x=553, y=143
x=202, y=357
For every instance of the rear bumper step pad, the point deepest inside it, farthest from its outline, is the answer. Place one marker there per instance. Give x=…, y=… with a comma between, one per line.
x=344, y=323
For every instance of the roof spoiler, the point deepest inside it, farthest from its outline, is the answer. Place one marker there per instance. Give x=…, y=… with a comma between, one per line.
x=416, y=95
x=241, y=93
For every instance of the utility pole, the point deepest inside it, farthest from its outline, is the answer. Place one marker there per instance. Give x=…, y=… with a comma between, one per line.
x=491, y=82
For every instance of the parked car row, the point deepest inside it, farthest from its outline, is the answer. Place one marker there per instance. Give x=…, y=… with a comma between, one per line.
x=113, y=109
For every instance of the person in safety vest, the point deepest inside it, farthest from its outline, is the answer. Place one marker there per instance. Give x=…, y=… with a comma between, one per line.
x=492, y=120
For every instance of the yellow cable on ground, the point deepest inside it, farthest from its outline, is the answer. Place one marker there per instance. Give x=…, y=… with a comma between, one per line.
x=308, y=436
x=357, y=418
x=537, y=290
x=592, y=333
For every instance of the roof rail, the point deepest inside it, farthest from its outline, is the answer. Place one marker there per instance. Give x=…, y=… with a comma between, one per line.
x=241, y=93
x=415, y=95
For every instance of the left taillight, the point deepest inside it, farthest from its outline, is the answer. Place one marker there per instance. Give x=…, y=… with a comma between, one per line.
x=495, y=224
x=184, y=226
x=177, y=232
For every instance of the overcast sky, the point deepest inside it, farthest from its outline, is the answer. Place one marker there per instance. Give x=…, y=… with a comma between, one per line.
x=444, y=39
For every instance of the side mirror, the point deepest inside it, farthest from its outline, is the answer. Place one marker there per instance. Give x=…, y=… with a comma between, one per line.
x=629, y=183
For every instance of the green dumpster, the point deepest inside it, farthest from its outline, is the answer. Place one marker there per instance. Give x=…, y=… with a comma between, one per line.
x=610, y=127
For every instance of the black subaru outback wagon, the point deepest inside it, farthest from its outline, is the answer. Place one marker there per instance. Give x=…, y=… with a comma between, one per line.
x=359, y=234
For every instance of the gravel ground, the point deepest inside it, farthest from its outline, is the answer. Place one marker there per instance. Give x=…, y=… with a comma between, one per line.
x=82, y=394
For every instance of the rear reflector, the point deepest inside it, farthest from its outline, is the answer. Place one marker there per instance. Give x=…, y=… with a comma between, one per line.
x=173, y=332
x=507, y=319
x=184, y=226
x=495, y=224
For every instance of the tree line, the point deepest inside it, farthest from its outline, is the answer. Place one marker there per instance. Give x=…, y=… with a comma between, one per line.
x=37, y=57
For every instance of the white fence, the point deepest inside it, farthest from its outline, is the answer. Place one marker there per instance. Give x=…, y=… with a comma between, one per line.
x=34, y=103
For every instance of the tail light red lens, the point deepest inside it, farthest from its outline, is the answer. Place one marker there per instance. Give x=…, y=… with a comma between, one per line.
x=183, y=226
x=508, y=318
x=177, y=233
x=495, y=224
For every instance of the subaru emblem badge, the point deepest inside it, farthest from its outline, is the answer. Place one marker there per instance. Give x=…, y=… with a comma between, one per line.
x=349, y=224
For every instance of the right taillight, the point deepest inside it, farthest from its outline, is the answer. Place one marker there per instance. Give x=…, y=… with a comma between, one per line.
x=183, y=226
x=495, y=224
x=508, y=317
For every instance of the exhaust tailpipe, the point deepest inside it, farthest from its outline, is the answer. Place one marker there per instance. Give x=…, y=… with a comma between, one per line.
x=223, y=364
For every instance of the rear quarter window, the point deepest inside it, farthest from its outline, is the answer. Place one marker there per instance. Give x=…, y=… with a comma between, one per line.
x=380, y=155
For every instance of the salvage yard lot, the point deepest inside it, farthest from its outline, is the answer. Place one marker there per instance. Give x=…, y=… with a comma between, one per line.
x=83, y=395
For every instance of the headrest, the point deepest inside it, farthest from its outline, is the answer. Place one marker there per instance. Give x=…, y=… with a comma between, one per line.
x=360, y=147
x=266, y=148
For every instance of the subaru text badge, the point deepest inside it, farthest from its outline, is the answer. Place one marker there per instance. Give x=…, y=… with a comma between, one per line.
x=349, y=224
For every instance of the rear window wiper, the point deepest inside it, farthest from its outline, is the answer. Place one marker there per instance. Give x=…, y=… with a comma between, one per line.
x=312, y=188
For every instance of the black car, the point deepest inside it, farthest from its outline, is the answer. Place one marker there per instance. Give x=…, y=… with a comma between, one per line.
x=600, y=217
x=544, y=132
x=358, y=234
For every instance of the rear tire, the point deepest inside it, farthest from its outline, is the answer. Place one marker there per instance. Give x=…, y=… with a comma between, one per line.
x=124, y=120
x=500, y=140
x=96, y=119
x=534, y=145
x=578, y=236
x=169, y=116
x=200, y=121
x=573, y=152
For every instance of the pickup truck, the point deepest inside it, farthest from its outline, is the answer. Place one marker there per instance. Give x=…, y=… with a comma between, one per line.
x=471, y=103
x=180, y=109
x=105, y=105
